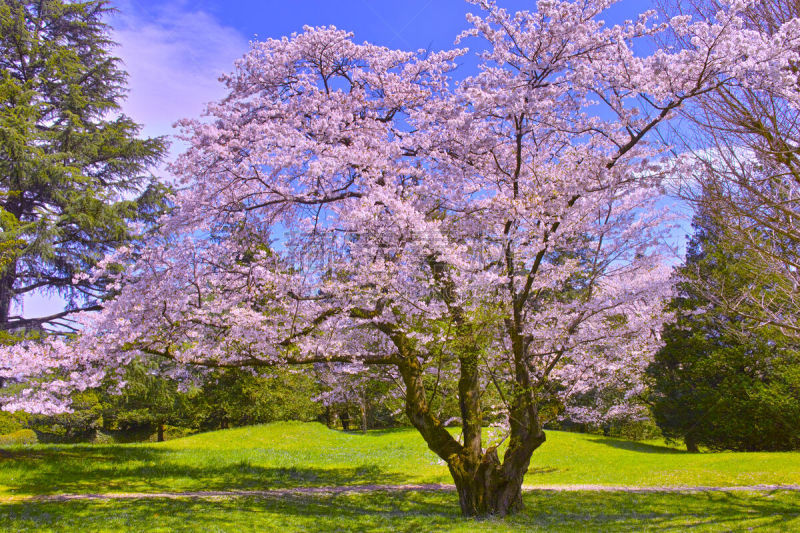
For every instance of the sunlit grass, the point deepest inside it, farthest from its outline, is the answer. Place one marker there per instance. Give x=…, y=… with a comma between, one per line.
x=309, y=454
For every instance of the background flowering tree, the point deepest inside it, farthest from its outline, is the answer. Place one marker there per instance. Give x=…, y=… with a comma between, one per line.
x=350, y=390
x=348, y=203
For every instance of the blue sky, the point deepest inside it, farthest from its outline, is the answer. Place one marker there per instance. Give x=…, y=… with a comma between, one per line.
x=174, y=50
x=401, y=24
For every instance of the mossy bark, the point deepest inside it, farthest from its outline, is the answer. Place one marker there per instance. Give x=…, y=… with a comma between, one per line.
x=482, y=488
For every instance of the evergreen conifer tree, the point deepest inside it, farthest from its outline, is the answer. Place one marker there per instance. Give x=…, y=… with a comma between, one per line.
x=73, y=169
x=723, y=381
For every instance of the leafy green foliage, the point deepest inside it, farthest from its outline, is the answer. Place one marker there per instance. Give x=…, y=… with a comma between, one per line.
x=723, y=381
x=10, y=243
x=72, y=168
x=151, y=403
x=147, y=403
x=233, y=397
x=11, y=422
x=19, y=437
x=80, y=424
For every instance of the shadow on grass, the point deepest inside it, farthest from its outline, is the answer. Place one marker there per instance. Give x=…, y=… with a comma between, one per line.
x=639, y=447
x=99, y=469
x=373, y=432
x=542, y=470
x=418, y=511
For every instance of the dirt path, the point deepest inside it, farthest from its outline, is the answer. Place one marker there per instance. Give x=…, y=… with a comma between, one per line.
x=385, y=488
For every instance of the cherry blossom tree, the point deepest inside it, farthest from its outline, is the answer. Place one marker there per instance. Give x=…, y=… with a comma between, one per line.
x=347, y=203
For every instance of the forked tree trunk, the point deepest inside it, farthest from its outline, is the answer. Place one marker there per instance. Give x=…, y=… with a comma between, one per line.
x=483, y=489
x=486, y=487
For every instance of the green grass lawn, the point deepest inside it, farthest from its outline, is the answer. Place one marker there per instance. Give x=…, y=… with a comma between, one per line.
x=297, y=454
x=417, y=512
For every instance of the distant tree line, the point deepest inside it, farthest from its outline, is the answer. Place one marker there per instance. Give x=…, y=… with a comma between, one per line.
x=152, y=407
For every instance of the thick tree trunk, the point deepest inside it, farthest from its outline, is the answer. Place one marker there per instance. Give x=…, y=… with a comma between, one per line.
x=7, y=294
x=691, y=444
x=160, y=437
x=486, y=487
x=363, y=409
x=489, y=487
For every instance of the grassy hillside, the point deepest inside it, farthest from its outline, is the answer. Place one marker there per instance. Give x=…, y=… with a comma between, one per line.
x=309, y=454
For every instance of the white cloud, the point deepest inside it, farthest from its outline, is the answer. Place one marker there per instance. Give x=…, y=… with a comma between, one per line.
x=174, y=55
